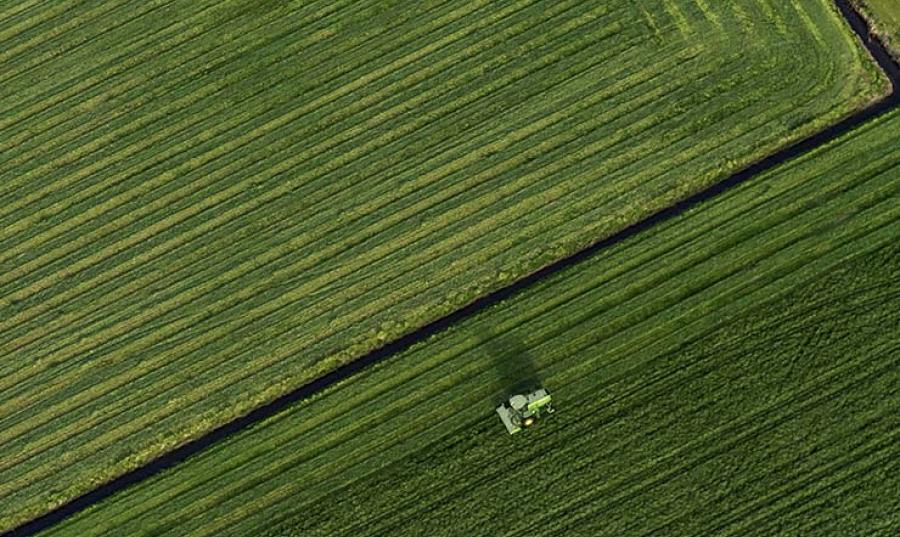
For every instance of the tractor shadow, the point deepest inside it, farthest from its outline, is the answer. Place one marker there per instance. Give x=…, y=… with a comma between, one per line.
x=515, y=366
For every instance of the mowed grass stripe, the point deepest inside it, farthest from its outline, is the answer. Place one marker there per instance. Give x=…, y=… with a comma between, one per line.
x=18, y=9
x=119, y=133
x=117, y=402
x=134, y=93
x=59, y=99
x=210, y=249
x=793, y=212
x=548, y=185
x=22, y=41
x=76, y=41
x=578, y=464
x=21, y=227
x=45, y=15
x=233, y=188
x=319, y=17
x=311, y=151
x=211, y=89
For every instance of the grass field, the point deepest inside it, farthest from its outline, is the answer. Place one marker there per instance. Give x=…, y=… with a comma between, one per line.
x=885, y=17
x=204, y=204
x=736, y=371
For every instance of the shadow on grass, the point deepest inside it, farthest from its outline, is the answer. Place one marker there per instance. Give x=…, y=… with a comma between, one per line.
x=514, y=363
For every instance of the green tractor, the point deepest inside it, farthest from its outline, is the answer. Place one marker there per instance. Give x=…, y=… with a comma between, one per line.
x=522, y=411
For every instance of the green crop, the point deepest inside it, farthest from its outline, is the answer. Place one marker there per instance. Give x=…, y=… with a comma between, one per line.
x=206, y=204
x=733, y=371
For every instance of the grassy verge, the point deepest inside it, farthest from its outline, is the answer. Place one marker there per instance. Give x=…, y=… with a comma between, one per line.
x=884, y=16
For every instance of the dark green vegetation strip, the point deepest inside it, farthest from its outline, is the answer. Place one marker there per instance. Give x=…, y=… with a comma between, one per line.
x=736, y=372
x=206, y=204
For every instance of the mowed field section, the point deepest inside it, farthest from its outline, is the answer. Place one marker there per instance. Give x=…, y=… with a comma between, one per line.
x=204, y=205
x=736, y=372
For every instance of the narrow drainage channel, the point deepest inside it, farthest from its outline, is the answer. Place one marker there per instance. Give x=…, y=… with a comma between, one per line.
x=856, y=21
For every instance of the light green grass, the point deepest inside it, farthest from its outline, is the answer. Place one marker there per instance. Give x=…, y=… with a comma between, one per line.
x=204, y=205
x=734, y=371
x=885, y=17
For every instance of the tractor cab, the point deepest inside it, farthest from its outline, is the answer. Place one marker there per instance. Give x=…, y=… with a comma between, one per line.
x=523, y=411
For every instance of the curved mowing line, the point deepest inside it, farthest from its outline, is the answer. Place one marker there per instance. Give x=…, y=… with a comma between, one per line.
x=875, y=47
